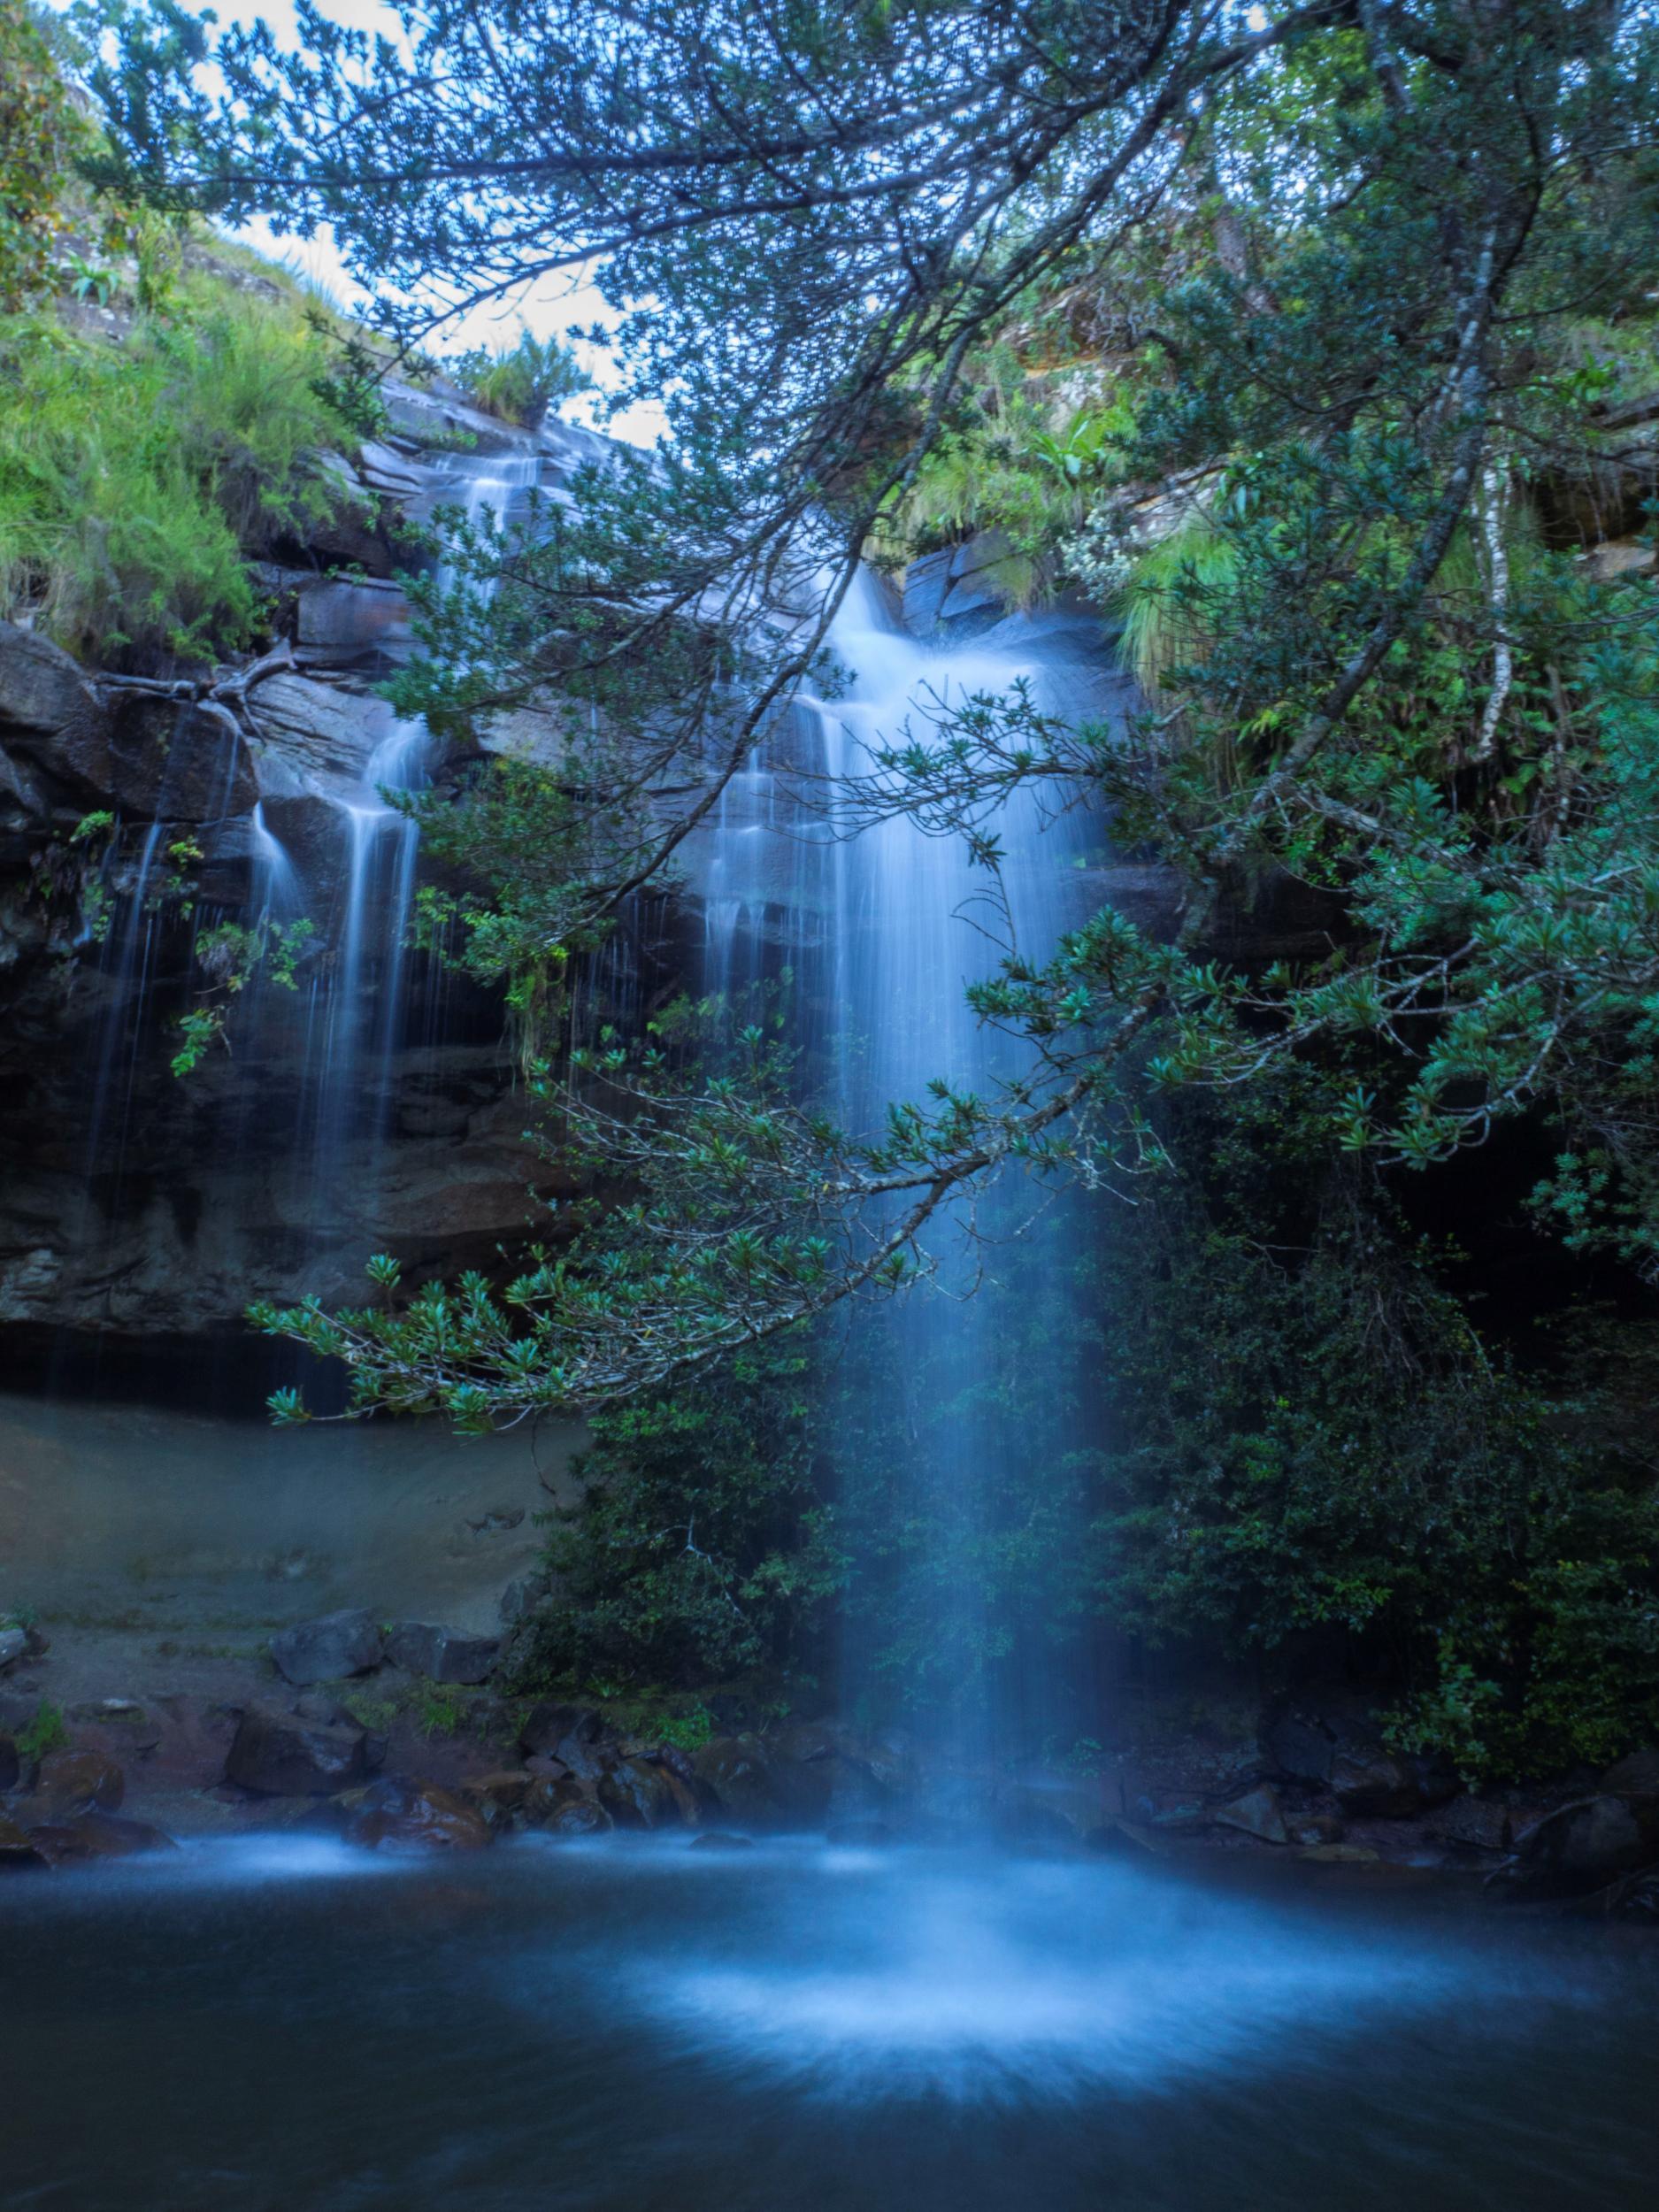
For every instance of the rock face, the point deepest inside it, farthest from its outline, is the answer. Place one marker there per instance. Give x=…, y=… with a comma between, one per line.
x=329, y=1648
x=442, y=1654
x=134, y=1206
x=285, y=1754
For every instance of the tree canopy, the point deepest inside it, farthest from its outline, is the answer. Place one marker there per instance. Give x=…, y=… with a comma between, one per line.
x=1359, y=297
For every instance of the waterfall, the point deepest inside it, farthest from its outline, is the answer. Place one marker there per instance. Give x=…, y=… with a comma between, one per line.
x=884, y=931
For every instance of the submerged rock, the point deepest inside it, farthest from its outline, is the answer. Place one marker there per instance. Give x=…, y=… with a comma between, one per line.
x=721, y=1840
x=325, y=1649
x=286, y=1754
x=442, y=1654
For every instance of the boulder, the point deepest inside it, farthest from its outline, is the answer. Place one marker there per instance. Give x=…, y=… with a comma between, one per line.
x=564, y=1809
x=1258, y=1813
x=637, y=1793
x=97, y=1836
x=325, y=1649
x=76, y=1781
x=442, y=1654
x=414, y=1815
x=1378, y=1783
x=1638, y=1776
x=1587, y=1844
x=549, y=1725
x=506, y=1790
x=19, y=1854
x=1299, y=1745
x=14, y=1644
x=286, y=1754
x=354, y=618
x=740, y=1773
x=1476, y=1822
x=925, y=583
x=42, y=690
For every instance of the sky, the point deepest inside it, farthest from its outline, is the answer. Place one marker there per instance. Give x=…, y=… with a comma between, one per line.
x=546, y=311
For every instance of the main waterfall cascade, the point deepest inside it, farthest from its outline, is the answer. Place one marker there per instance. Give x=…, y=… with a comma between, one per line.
x=879, y=929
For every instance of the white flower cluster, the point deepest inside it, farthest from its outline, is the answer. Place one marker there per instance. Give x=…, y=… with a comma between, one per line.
x=1098, y=556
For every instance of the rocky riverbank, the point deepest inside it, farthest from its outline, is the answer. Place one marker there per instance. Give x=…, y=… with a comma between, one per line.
x=399, y=1735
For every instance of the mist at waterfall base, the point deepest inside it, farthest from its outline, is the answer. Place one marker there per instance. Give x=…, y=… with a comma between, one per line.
x=629, y=2026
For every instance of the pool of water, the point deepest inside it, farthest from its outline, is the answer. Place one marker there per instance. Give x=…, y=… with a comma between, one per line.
x=282, y=2025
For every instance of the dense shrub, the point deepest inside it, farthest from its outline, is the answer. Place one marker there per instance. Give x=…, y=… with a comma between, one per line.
x=134, y=476
x=700, y=1549
x=521, y=382
x=1310, y=1443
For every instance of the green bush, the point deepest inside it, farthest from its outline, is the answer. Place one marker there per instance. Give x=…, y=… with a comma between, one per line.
x=136, y=478
x=700, y=1549
x=1311, y=1447
x=521, y=382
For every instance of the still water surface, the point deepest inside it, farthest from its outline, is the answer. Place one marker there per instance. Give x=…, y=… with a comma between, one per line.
x=281, y=2026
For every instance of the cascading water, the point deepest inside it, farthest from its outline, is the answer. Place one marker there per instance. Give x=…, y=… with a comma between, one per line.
x=882, y=930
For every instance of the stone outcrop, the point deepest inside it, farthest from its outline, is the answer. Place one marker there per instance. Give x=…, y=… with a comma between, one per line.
x=329, y=1648
x=134, y=1205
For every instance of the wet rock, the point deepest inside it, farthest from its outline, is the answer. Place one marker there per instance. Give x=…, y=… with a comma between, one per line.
x=547, y=1725
x=442, y=1654
x=1258, y=1813
x=14, y=1644
x=97, y=1836
x=284, y=1755
x=349, y=620
x=564, y=1809
x=721, y=1840
x=1299, y=1745
x=414, y=1815
x=1475, y=1823
x=1638, y=1776
x=77, y=1780
x=1587, y=1844
x=639, y=1794
x=508, y=1789
x=325, y=1649
x=1377, y=1784
x=19, y=1852
x=925, y=583
x=740, y=1774
x=1314, y=1829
